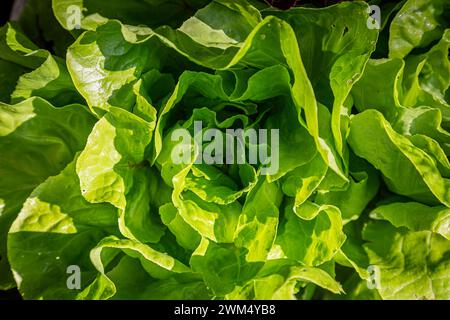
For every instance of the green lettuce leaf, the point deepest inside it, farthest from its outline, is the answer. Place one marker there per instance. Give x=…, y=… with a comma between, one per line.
x=55, y=229
x=36, y=141
x=416, y=25
x=407, y=169
x=408, y=264
x=281, y=280
x=136, y=12
x=314, y=241
x=324, y=36
x=112, y=169
x=38, y=72
x=416, y=217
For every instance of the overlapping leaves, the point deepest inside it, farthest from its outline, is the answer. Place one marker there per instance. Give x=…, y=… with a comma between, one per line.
x=88, y=176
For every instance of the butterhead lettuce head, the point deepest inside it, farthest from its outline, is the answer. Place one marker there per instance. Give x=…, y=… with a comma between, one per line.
x=225, y=149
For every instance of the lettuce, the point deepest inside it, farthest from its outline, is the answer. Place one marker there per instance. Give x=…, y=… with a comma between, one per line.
x=225, y=149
